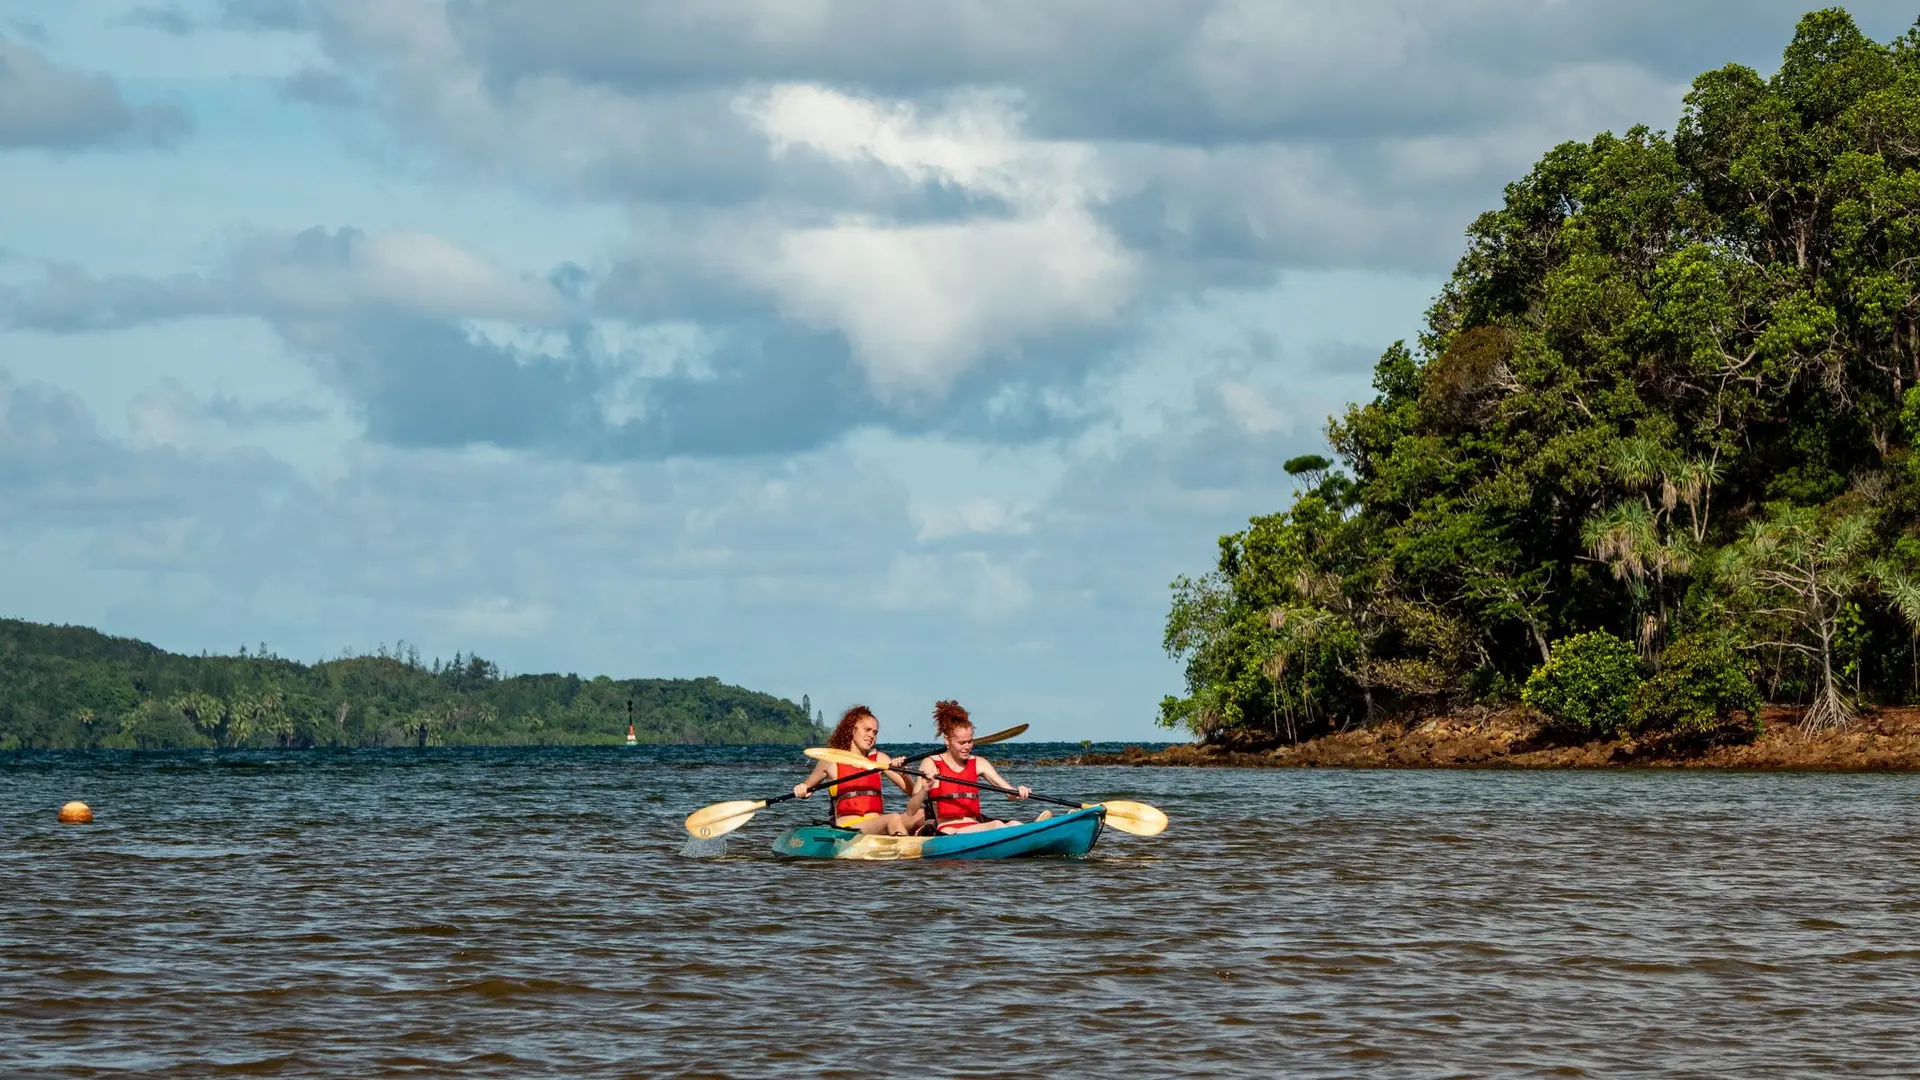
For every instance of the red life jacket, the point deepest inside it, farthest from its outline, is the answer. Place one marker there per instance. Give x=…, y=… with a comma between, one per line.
x=955, y=802
x=856, y=797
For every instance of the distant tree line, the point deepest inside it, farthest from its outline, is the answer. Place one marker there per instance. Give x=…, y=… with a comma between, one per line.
x=67, y=687
x=1653, y=459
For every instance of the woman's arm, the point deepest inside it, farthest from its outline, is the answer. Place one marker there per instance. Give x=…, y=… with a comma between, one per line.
x=988, y=772
x=819, y=773
x=896, y=774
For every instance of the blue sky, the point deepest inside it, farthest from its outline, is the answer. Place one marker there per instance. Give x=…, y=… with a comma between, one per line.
x=871, y=351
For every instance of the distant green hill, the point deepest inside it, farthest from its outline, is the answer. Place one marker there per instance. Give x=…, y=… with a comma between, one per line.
x=69, y=687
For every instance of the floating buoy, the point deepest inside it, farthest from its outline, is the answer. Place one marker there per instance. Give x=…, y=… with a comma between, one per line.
x=76, y=813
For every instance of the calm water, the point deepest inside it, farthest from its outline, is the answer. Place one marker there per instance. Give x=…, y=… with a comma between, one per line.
x=515, y=913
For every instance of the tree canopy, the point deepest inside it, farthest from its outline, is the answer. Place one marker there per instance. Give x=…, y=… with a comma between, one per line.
x=67, y=687
x=1670, y=388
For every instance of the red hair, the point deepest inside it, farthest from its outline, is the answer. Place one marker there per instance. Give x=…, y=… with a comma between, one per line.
x=842, y=737
x=948, y=715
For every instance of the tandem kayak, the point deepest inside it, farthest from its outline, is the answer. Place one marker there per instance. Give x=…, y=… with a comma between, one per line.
x=1069, y=834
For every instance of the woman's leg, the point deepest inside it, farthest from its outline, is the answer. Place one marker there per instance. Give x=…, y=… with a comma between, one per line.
x=980, y=826
x=891, y=824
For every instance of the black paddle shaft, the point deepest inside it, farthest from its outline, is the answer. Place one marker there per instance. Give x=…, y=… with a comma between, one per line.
x=1009, y=791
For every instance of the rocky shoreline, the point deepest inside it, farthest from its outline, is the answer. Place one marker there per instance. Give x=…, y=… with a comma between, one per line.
x=1882, y=739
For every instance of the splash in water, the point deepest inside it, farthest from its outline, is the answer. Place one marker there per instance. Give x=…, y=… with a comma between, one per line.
x=711, y=848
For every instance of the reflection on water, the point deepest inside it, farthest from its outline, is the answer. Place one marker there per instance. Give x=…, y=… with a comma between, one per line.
x=516, y=912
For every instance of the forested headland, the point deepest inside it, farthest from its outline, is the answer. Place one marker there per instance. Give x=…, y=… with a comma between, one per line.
x=1651, y=464
x=69, y=687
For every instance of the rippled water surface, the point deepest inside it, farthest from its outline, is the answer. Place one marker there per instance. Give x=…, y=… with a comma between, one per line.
x=522, y=912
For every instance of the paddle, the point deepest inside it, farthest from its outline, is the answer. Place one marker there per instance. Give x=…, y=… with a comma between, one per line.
x=1128, y=816
x=722, y=818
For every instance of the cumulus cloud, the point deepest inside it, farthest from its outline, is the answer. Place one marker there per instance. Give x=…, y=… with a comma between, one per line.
x=973, y=142
x=51, y=107
x=949, y=220
x=564, y=136
x=431, y=345
x=1188, y=142
x=316, y=274
x=1208, y=72
x=918, y=302
x=922, y=302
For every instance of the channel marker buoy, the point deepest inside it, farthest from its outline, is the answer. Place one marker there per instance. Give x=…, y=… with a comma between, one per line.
x=76, y=813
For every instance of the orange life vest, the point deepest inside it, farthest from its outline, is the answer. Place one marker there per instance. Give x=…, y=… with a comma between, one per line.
x=856, y=797
x=955, y=804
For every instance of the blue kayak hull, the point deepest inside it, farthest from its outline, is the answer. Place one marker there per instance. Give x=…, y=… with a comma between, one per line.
x=1071, y=834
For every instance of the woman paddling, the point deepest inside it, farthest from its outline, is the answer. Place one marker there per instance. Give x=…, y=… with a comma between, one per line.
x=956, y=806
x=859, y=804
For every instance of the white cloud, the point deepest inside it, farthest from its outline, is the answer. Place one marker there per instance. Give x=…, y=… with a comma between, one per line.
x=321, y=274
x=921, y=303
x=315, y=274
x=1251, y=410
x=974, y=142
x=45, y=105
x=970, y=517
x=970, y=582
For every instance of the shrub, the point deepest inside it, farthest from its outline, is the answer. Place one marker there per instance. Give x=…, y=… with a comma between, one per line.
x=1703, y=693
x=1586, y=686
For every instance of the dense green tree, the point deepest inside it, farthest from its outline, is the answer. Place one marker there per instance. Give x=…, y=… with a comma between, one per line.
x=1665, y=373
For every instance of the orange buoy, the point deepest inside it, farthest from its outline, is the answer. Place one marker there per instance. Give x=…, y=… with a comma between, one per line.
x=76, y=813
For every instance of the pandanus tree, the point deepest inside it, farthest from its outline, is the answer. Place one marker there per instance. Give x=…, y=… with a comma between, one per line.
x=1642, y=538
x=1793, y=576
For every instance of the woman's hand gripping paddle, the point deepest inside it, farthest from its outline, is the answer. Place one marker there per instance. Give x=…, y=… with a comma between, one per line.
x=1137, y=818
x=721, y=818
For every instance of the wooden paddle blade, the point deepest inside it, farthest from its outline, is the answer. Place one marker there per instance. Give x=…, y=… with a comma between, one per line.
x=1134, y=817
x=1013, y=732
x=849, y=758
x=721, y=818
x=838, y=757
